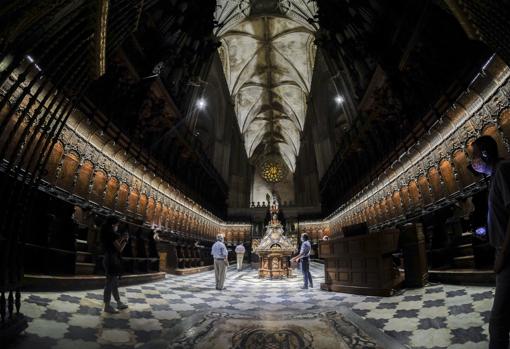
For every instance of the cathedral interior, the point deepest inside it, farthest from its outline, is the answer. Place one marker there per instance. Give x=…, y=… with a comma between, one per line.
x=256, y=121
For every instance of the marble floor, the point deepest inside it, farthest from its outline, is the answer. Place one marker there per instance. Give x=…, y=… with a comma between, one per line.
x=187, y=311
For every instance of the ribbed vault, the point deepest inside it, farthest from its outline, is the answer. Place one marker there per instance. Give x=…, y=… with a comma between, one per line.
x=268, y=63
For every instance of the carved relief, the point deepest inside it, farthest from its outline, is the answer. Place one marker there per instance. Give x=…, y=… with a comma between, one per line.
x=504, y=122
x=132, y=201
x=70, y=164
x=122, y=198
x=112, y=188
x=446, y=171
x=142, y=205
x=433, y=175
x=98, y=187
x=435, y=184
x=82, y=184
x=53, y=162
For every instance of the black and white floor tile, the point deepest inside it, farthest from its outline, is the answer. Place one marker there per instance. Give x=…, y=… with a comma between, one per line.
x=437, y=316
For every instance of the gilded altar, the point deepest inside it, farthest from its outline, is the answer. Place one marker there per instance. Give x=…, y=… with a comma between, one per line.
x=274, y=251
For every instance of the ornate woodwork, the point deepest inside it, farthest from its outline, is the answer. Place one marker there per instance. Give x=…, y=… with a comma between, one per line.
x=361, y=264
x=434, y=170
x=389, y=100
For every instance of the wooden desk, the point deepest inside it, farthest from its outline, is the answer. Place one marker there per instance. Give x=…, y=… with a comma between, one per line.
x=361, y=264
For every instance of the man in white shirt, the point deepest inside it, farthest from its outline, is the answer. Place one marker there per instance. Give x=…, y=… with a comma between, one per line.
x=304, y=255
x=240, y=250
x=220, y=254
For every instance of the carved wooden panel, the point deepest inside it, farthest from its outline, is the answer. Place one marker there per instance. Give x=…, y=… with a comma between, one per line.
x=390, y=207
x=151, y=207
x=443, y=176
x=33, y=150
x=122, y=197
x=435, y=183
x=157, y=213
x=164, y=216
x=377, y=210
x=343, y=263
x=360, y=264
x=12, y=146
x=396, y=203
x=423, y=184
x=380, y=209
x=112, y=188
x=98, y=187
x=414, y=193
x=132, y=201
x=83, y=180
x=469, y=147
x=70, y=164
x=504, y=122
x=172, y=218
x=446, y=171
x=142, y=204
x=461, y=163
x=53, y=162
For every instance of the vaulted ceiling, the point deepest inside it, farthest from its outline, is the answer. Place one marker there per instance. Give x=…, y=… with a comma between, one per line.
x=268, y=56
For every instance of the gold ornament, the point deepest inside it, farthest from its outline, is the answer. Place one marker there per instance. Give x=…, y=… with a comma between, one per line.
x=272, y=171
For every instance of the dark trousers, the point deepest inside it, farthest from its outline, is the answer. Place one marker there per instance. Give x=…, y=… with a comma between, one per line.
x=112, y=266
x=305, y=268
x=499, y=325
x=111, y=287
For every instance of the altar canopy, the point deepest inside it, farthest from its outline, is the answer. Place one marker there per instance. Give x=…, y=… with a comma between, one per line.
x=275, y=249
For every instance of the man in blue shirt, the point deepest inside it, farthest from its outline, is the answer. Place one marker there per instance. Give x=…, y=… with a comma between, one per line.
x=220, y=254
x=304, y=255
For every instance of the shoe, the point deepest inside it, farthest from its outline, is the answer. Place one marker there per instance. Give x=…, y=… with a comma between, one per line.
x=121, y=306
x=110, y=309
x=304, y=288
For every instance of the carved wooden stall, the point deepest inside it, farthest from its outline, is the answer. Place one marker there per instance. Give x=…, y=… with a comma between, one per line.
x=140, y=254
x=361, y=264
x=184, y=256
x=435, y=171
x=189, y=252
x=88, y=178
x=54, y=139
x=431, y=178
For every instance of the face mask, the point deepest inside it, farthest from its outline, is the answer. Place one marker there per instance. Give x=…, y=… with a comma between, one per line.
x=302, y=240
x=479, y=166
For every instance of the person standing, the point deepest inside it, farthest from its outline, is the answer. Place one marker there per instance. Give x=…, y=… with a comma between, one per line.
x=113, y=244
x=485, y=160
x=304, y=256
x=240, y=251
x=220, y=254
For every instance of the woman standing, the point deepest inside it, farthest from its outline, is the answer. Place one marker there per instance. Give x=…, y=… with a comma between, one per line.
x=113, y=244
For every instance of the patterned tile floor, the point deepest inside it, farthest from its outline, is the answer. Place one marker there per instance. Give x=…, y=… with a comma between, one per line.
x=437, y=316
